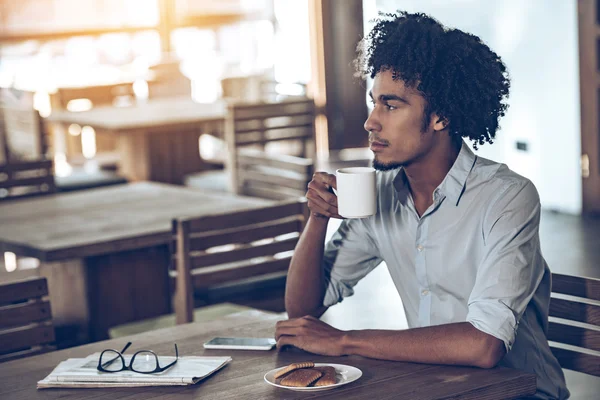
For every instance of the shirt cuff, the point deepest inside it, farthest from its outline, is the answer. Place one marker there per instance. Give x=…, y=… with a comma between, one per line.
x=336, y=292
x=495, y=319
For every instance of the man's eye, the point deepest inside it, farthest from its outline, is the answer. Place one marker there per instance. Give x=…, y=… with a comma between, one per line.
x=390, y=108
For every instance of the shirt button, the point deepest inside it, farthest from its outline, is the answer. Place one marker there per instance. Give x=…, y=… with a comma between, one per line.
x=424, y=292
x=419, y=248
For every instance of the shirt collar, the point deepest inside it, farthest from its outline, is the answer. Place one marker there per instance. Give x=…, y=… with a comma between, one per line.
x=453, y=184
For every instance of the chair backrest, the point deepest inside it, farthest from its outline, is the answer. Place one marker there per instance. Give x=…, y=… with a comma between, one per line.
x=579, y=324
x=249, y=131
x=97, y=95
x=232, y=246
x=26, y=179
x=25, y=319
x=24, y=135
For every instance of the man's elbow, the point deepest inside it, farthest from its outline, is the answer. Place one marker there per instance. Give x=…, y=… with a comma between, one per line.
x=492, y=350
x=298, y=312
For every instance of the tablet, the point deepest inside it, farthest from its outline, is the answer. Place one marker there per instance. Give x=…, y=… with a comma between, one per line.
x=240, y=343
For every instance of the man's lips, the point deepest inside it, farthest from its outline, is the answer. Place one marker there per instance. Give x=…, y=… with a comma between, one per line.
x=377, y=146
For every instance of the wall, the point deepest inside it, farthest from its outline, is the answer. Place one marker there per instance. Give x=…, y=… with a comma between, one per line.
x=537, y=39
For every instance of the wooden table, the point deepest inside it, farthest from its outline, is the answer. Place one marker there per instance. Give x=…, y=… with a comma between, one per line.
x=157, y=140
x=243, y=377
x=105, y=251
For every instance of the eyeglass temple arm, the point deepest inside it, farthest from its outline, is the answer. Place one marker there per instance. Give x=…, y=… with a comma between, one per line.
x=126, y=347
x=176, y=358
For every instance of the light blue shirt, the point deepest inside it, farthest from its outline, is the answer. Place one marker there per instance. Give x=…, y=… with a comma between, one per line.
x=474, y=255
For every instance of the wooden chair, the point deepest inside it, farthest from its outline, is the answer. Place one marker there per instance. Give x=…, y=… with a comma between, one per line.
x=23, y=130
x=25, y=179
x=579, y=323
x=25, y=319
x=251, y=132
x=230, y=247
x=107, y=155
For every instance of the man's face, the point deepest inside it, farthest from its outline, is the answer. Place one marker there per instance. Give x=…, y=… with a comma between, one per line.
x=395, y=125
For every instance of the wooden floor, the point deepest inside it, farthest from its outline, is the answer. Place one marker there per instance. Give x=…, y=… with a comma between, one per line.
x=570, y=245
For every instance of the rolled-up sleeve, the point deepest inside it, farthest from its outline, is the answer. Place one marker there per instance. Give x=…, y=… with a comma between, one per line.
x=512, y=266
x=349, y=256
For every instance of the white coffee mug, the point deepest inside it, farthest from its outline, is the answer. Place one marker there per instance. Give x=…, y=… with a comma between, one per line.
x=356, y=192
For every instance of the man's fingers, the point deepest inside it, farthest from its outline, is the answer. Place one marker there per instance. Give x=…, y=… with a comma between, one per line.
x=286, y=341
x=318, y=205
x=325, y=179
x=286, y=331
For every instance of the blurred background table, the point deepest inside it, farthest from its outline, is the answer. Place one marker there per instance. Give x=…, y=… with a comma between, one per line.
x=105, y=252
x=157, y=140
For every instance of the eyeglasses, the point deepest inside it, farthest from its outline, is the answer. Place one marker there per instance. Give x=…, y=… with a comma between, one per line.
x=142, y=362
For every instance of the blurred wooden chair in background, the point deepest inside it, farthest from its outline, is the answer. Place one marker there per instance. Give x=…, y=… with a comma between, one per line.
x=575, y=338
x=26, y=179
x=226, y=263
x=259, y=87
x=168, y=80
x=22, y=128
x=83, y=98
x=236, y=248
x=25, y=319
x=271, y=148
x=25, y=140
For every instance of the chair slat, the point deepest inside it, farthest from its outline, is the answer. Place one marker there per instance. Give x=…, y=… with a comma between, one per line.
x=575, y=311
x=206, y=277
x=576, y=286
x=244, y=253
x=248, y=217
x=266, y=110
x=281, y=179
x=26, y=337
x=291, y=163
x=26, y=353
x=27, y=179
x=22, y=290
x=250, y=142
x=24, y=313
x=26, y=166
x=21, y=182
x=306, y=127
x=245, y=235
x=576, y=361
x=574, y=335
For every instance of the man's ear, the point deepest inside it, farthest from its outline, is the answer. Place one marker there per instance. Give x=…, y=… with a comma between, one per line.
x=440, y=123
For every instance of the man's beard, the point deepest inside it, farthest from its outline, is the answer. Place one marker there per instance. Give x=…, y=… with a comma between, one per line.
x=379, y=166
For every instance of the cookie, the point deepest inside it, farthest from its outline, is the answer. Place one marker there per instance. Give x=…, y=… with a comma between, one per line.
x=328, y=377
x=301, y=377
x=293, y=367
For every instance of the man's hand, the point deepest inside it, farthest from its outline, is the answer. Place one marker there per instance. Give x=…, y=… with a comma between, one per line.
x=310, y=334
x=321, y=201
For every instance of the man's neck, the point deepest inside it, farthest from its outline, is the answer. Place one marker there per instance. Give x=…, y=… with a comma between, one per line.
x=426, y=175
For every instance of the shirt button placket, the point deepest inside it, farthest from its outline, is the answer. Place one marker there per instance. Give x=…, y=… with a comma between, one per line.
x=421, y=270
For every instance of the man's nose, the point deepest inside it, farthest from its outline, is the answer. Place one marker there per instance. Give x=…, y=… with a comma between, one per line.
x=371, y=124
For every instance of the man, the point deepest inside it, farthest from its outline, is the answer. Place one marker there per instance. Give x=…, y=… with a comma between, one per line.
x=458, y=233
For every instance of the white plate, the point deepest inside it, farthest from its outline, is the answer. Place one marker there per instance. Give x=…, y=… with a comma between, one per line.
x=344, y=374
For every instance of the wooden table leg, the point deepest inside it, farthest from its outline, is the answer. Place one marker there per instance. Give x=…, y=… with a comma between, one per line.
x=173, y=155
x=69, y=302
x=127, y=286
x=134, y=155
x=90, y=296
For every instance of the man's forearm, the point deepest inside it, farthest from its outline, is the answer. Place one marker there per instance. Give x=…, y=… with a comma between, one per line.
x=304, y=287
x=456, y=344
